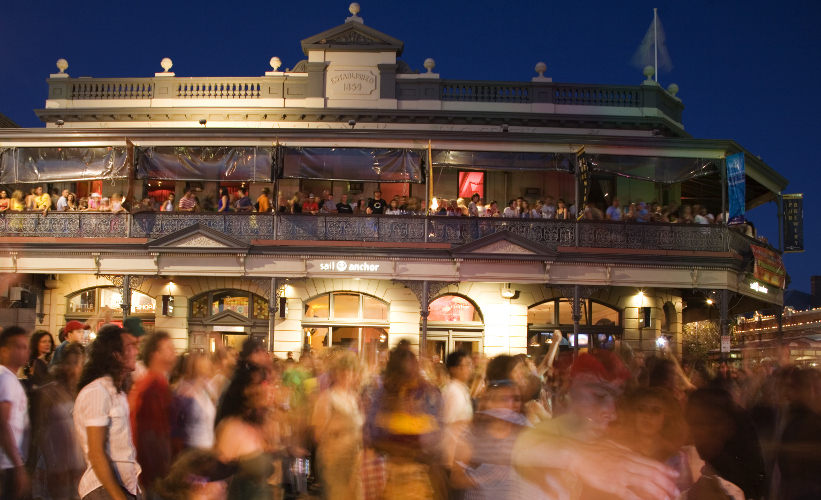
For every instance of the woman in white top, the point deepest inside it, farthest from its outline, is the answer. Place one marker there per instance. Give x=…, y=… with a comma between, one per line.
x=393, y=209
x=197, y=411
x=168, y=206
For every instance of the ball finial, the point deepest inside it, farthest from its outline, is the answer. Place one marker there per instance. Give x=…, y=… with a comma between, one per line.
x=62, y=65
x=672, y=89
x=166, y=64
x=541, y=68
x=649, y=71
x=275, y=63
x=354, y=9
x=430, y=64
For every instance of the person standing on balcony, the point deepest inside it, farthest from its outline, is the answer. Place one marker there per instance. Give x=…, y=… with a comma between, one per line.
x=327, y=205
x=94, y=202
x=377, y=205
x=17, y=204
x=343, y=207
x=5, y=201
x=548, y=209
x=71, y=202
x=512, y=210
x=14, y=420
x=224, y=203
x=310, y=206
x=263, y=202
x=614, y=211
x=117, y=204
x=492, y=209
x=187, y=203
x=168, y=206
x=244, y=203
x=62, y=201
x=561, y=210
x=473, y=206
x=42, y=201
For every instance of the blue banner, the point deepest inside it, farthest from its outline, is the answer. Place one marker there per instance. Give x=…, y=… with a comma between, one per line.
x=736, y=188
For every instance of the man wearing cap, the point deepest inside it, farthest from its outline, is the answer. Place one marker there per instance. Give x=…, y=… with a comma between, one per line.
x=73, y=333
x=134, y=326
x=310, y=206
x=570, y=457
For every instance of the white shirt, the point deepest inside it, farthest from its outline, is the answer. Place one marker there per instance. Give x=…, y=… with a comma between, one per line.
x=11, y=391
x=548, y=212
x=511, y=212
x=200, y=413
x=62, y=203
x=456, y=402
x=100, y=405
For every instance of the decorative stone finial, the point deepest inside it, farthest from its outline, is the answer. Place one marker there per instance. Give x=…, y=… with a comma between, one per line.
x=166, y=64
x=62, y=65
x=649, y=71
x=541, y=68
x=354, y=9
x=430, y=64
x=672, y=89
x=275, y=63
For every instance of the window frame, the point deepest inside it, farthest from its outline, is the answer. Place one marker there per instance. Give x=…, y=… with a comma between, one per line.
x=98, y=300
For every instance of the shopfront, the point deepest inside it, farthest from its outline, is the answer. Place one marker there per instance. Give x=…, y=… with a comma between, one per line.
x=227, y=318
x=454, y=324
x=600, y=325
x=97, y=306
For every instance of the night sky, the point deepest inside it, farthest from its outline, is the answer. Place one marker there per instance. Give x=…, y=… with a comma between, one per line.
x=748, y=71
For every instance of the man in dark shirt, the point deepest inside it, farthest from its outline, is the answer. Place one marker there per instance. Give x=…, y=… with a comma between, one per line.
x=343, y=207
x=244, y=203
x=376, y=205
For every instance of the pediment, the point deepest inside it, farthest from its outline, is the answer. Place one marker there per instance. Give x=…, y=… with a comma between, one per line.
x=198, y=237
x=504, y=244
x=228, y=318
x=353, y=36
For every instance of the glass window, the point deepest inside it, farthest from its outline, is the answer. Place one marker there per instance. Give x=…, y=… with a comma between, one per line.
x=346, y=336
x=84, y=302
x=346, y=305
x=566, y=313
x=142, y=303
x=601, y=315
x=111, y=298
x=317, y=337
x=471, y=182
x=199, y=308
x=319, y=307
x=542, y=314
x=260, y=308
x=374, y=309
x=230, y=301
x=453, y=308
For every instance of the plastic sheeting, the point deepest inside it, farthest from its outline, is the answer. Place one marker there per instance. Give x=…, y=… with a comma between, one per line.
x=201, y=163
x=33, y=165
x=496, y=160
x=652, y=168
x=353, y=164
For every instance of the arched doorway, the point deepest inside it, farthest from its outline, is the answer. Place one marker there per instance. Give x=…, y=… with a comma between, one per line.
x=600, y=325
x=350, y=320
x=455, y=324
x=226, y=318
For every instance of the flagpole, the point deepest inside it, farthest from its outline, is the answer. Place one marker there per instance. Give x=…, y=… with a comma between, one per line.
x=656, y=43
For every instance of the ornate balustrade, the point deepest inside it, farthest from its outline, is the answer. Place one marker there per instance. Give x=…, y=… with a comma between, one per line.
x=468, y=91
x=598, y=95
x=379, y=228
x=120, y=88
x=222, y=89
x=64, y=225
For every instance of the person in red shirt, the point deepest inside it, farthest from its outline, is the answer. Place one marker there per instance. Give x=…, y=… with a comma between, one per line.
x=310, y=206
x=151, y=405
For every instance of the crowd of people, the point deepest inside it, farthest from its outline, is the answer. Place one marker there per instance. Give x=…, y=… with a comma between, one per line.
x=129, y=417
x=39, y=201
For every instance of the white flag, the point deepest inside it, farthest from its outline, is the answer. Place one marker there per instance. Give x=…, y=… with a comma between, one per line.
x=645, y=55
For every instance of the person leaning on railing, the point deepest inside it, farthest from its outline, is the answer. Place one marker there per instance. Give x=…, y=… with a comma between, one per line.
x=5, y=201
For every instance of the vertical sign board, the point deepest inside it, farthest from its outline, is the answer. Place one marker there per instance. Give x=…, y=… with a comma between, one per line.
x=793, y=213
x=725, y=343
x=584, y=179
x=736, y=191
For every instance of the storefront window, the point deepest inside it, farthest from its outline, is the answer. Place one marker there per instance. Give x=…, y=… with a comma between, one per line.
x=601, y=315
x=453, y=308
x=346, y=305
x=374, y=309
x=319, y=307
x=83, y=302
x=87, y=302
x=260, y=308
x=199, y=307
x=566, y=313
x=229, y=301
x=542, y=314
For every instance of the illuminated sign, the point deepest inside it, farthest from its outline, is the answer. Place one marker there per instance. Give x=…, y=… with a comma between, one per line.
x=342, y=266
x=758, y=287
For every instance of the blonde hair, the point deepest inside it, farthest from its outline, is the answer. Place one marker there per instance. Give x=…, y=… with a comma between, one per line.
x=341, y=362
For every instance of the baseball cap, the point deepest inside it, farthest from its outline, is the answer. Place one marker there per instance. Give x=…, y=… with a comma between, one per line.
x=134, y=326
x=73, y=325
x=311, y=195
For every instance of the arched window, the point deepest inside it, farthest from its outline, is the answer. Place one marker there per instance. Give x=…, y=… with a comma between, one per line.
x=454, y=309
x=93, y=301
x=240, y=302
x=557, y=312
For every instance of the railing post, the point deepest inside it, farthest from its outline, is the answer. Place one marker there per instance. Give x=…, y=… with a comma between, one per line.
x=275, y=224
x=128, y=226
x=427, y=230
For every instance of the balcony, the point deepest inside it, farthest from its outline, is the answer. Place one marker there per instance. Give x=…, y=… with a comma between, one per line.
x=382, y=229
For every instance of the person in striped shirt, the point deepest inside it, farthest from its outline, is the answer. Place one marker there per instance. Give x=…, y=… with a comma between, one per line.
x=188, y=203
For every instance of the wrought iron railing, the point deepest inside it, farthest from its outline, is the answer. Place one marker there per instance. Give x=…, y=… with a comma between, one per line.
x=379, y=228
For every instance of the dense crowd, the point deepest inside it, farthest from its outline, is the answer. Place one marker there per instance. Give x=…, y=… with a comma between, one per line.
x=101, y=422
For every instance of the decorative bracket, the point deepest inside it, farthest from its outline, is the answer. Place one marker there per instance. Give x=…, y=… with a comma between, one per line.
x=434, y=287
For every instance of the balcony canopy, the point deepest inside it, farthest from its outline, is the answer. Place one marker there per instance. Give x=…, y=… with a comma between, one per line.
x=205, y=163
x=353, y=164
x=653, y=168
x=507, y=161
x=56, y=164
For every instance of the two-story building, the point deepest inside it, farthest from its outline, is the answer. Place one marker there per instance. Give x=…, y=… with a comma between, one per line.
x=350, y=119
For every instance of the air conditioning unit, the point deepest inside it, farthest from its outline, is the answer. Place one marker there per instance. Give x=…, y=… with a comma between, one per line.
x=15, y=293
x=356, y=187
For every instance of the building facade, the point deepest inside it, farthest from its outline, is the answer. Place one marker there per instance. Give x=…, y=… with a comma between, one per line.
x=350, y=119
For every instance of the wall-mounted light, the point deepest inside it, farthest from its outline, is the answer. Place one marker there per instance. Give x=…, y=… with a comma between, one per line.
x=506, y=292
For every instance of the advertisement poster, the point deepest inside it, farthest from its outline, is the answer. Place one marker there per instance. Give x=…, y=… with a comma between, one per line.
x=736, y=188
x=793, y=209
x=768, y=268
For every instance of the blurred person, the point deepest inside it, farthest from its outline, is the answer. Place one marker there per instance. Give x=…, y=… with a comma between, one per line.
x=224, y=361
x=263, y=201
x=151, y=405
x=404, y=423
x=117, y=204
x=254, y=352
x=561, y=210
x=393, y=208
x=94, y=202
x=548, y=209
x=58, y=461
x=727, y=442
x=5, y=201
x=30, y=198
x=196, y=410
x=295, y=204
x=82, y=205
x=492, y=209
x=17, y=204
x=512, y=209
x=473, y=206
x=102, y=420
x=42, y=201
x=224, y=203
x=799, y=450
x=337, y=423
x=483, y=463
x=62, y=201
x=41, y=345
x=568, y=456
x=242, y=436
x=188, y=203
x=196, y=475
x=14, y=416
x=327, y=204
x=525, y=211
x=105, y=205
x=343, y=207
x=168, y=205
x=282, y=202
x=614, y=211
x=457, y=406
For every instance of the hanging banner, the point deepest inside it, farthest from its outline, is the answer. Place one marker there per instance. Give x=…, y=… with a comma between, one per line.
x=768, y=267
x=584, y=185
x=793, y=210
x=736, y=191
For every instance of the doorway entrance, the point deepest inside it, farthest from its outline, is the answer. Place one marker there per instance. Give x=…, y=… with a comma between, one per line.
x=443, y=342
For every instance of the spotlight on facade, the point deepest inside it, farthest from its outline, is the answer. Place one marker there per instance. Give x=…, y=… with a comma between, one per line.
x=60, y=123
x=710, y=301
x=506, y=292
x=203, y=122
x=352, y=123
x=661, y=342
x=504, y=127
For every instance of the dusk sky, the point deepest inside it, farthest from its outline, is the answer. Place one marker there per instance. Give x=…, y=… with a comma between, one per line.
x=747, y=71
